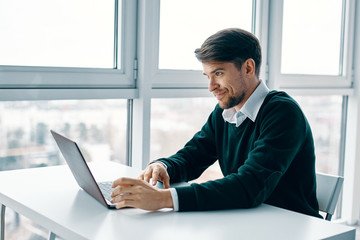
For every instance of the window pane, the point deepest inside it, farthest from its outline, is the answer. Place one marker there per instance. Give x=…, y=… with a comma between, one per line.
x=59, y=33
x=324, y=116
x=174, y=122
x=185, y=24
x=311, y=37
x=99, y=127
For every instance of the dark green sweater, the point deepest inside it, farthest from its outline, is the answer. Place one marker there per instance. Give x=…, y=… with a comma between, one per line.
x=269, y=161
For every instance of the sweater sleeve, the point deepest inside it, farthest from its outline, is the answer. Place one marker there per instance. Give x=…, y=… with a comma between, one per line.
x=282, y=128
x=197, y=155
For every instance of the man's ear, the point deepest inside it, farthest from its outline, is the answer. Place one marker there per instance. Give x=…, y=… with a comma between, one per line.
x=249, y=65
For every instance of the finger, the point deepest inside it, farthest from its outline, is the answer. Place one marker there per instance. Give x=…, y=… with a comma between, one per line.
x=155, y=176
x=121, y=197
x=121, y=190
x=124, y=181
x=166, y=181
x=126, y=203
x=123, y=201
x=147, y=175
x=141, y=176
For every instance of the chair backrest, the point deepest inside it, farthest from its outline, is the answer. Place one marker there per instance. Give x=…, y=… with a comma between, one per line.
x=328, y=191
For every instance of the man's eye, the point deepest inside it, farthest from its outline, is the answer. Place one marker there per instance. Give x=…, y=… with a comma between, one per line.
x=218, y=73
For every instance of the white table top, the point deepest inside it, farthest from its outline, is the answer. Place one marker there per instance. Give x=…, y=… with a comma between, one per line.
x=51, y=197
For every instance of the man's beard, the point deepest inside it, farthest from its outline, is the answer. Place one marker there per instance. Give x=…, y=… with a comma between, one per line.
x=234, y=101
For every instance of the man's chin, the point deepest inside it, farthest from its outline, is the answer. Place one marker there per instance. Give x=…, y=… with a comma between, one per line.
x=223, y=105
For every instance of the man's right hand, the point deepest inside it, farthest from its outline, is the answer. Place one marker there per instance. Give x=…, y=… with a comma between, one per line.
x=157, y=172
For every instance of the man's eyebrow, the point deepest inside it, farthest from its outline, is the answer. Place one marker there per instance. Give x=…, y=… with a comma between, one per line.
x=214, y=71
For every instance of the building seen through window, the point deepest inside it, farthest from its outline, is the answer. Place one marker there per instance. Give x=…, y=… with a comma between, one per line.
x=99, y=127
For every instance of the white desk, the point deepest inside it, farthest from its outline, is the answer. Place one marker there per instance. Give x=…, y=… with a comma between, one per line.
x=51, y=197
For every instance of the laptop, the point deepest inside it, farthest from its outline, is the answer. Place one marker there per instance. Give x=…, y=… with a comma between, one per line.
x=99, y=190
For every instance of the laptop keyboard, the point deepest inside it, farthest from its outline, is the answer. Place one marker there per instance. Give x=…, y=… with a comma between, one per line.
x=106, y=189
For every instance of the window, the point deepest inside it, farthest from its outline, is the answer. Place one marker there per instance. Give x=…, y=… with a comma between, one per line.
x=174, y=122
x=311, y=40
x=185, y=24
x=57, y=33
x=324, y=116
x=311, y=44
x=67, y=44
x=89, y=50
x=99, y=127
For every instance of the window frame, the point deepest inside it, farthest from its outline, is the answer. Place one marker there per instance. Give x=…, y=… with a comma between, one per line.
x=140, y=80
x=301, y=81
x=180, y=79
x=40, y=83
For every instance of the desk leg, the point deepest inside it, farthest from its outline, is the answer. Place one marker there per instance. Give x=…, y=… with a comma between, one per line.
x=52, y=236
x=2, y=222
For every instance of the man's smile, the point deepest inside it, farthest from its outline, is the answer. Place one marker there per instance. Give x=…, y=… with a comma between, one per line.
x=219, y=95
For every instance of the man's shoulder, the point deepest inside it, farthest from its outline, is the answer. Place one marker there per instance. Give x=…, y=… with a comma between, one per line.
x=279, y=98
x=280, y=106
x=275, y=95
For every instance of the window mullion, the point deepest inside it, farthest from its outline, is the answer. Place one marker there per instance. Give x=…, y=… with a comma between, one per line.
x=116, y=33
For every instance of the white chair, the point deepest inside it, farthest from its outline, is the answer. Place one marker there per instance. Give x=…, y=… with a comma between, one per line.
x=328, y=191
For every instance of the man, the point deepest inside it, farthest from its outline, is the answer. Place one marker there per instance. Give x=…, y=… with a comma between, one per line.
x=261, y=138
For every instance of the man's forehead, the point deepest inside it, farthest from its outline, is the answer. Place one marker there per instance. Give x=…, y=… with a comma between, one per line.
x=209, y=67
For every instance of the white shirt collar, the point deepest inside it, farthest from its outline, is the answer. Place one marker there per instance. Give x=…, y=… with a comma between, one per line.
x=251, y=107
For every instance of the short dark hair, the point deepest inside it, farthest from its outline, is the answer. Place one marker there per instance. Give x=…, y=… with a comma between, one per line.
x=231, y=45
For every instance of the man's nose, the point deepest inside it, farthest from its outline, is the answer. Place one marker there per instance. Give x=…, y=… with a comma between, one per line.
x=212, y=84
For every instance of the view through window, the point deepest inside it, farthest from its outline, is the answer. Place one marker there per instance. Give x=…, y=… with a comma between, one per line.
x=181, y=34
x=98, y=126
x=324, y=116
x=173, y=124
x=58, y=33
x=306, y=49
